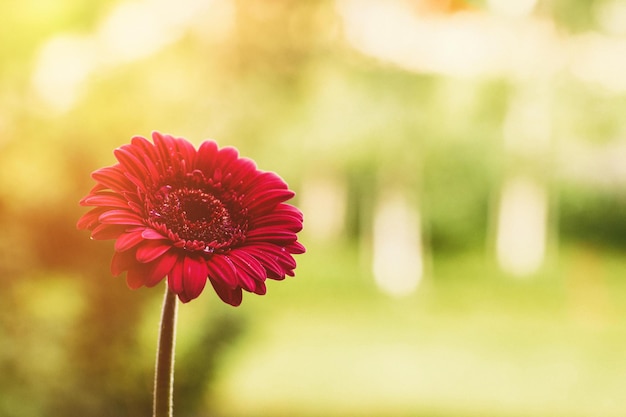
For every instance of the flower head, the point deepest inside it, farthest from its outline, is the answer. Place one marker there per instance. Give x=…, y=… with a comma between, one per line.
x=193, y=215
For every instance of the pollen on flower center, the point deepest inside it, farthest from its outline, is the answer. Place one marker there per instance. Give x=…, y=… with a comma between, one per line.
x=196, y=217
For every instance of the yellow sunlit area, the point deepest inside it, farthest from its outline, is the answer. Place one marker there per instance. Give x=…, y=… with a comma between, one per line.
x=461, y=168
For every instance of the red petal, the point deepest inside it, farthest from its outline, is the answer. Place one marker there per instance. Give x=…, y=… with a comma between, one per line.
x=194, y=278
x=130, y=162
x=175, y=277
x=97, y=188
x=158, y=269
x=104, y=200
x=143, y=143
x=272, y=267
x=135, y=277
x=260, y=288
x=296, y=248
x=250, y=262
x=107, y=231
x=147, y=151
x=151, y=250
x=151, y=234
x=128, y=240
x=260, y=201
x=122, y=261
x=186, y=151
x=125, y=217
x=271, y=235
x=265, y=181
x=244, y=168
x=228, y=295
x=279, y=254
x=206, y=157
x=249, y=269
x=226, y=156
x=280, y=220
x=153, y=170
x=165, y=146
x=288, y=210
x=246, y=281
x=112, y=177
x=90, y=219
x=288, y=263
x=140, y=184
x=222, y=269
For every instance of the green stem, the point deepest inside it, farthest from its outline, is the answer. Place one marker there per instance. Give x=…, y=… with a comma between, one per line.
x=164, y=372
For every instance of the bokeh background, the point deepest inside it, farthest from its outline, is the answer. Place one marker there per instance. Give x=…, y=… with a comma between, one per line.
x=462, y=170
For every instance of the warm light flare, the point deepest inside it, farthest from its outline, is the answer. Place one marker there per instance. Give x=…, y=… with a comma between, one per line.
x=398, y=263
x=522, y=224
x=508, y=43
x=324, y=201
x=132, y=30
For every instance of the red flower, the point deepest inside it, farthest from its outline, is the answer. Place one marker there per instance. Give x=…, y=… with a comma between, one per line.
x=191, y=215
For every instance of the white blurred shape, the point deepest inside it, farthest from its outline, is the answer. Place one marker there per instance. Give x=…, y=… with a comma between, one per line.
x=475, y=44
x=323, y=200
x=397, y=257
x=600, y=60
x=522, y=225
x=512, y=8
x=528, y=123
x=592, y=164
x=137, y=29
x=219, y=20
x=464, y=44
x=611, y=15
x=131, y=31
x=62, y=67
x=390, y=30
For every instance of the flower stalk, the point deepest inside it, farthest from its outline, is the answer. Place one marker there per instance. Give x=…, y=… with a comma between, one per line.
x=164, y=369
x=191, y=216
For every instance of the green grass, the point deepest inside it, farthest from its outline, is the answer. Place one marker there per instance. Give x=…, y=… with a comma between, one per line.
x=470, y=342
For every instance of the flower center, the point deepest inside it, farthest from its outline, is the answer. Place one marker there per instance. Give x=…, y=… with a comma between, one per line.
x=198, y=218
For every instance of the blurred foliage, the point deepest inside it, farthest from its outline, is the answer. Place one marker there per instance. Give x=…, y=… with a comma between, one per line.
x=593, y=217
x=286, y=89
x=575, y=16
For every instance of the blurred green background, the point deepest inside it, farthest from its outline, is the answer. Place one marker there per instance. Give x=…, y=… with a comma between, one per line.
x=460, y=165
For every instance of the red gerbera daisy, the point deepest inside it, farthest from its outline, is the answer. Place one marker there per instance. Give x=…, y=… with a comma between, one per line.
x=191, y=215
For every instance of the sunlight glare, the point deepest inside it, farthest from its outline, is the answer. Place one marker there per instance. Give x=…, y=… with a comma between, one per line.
x=62, y=67
x=611, y=16
x=132, y=30
x=323, y=200
x=512, y=8
x=398, y=263
x=600, y=61
x=463, y=44
x=521, y=235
